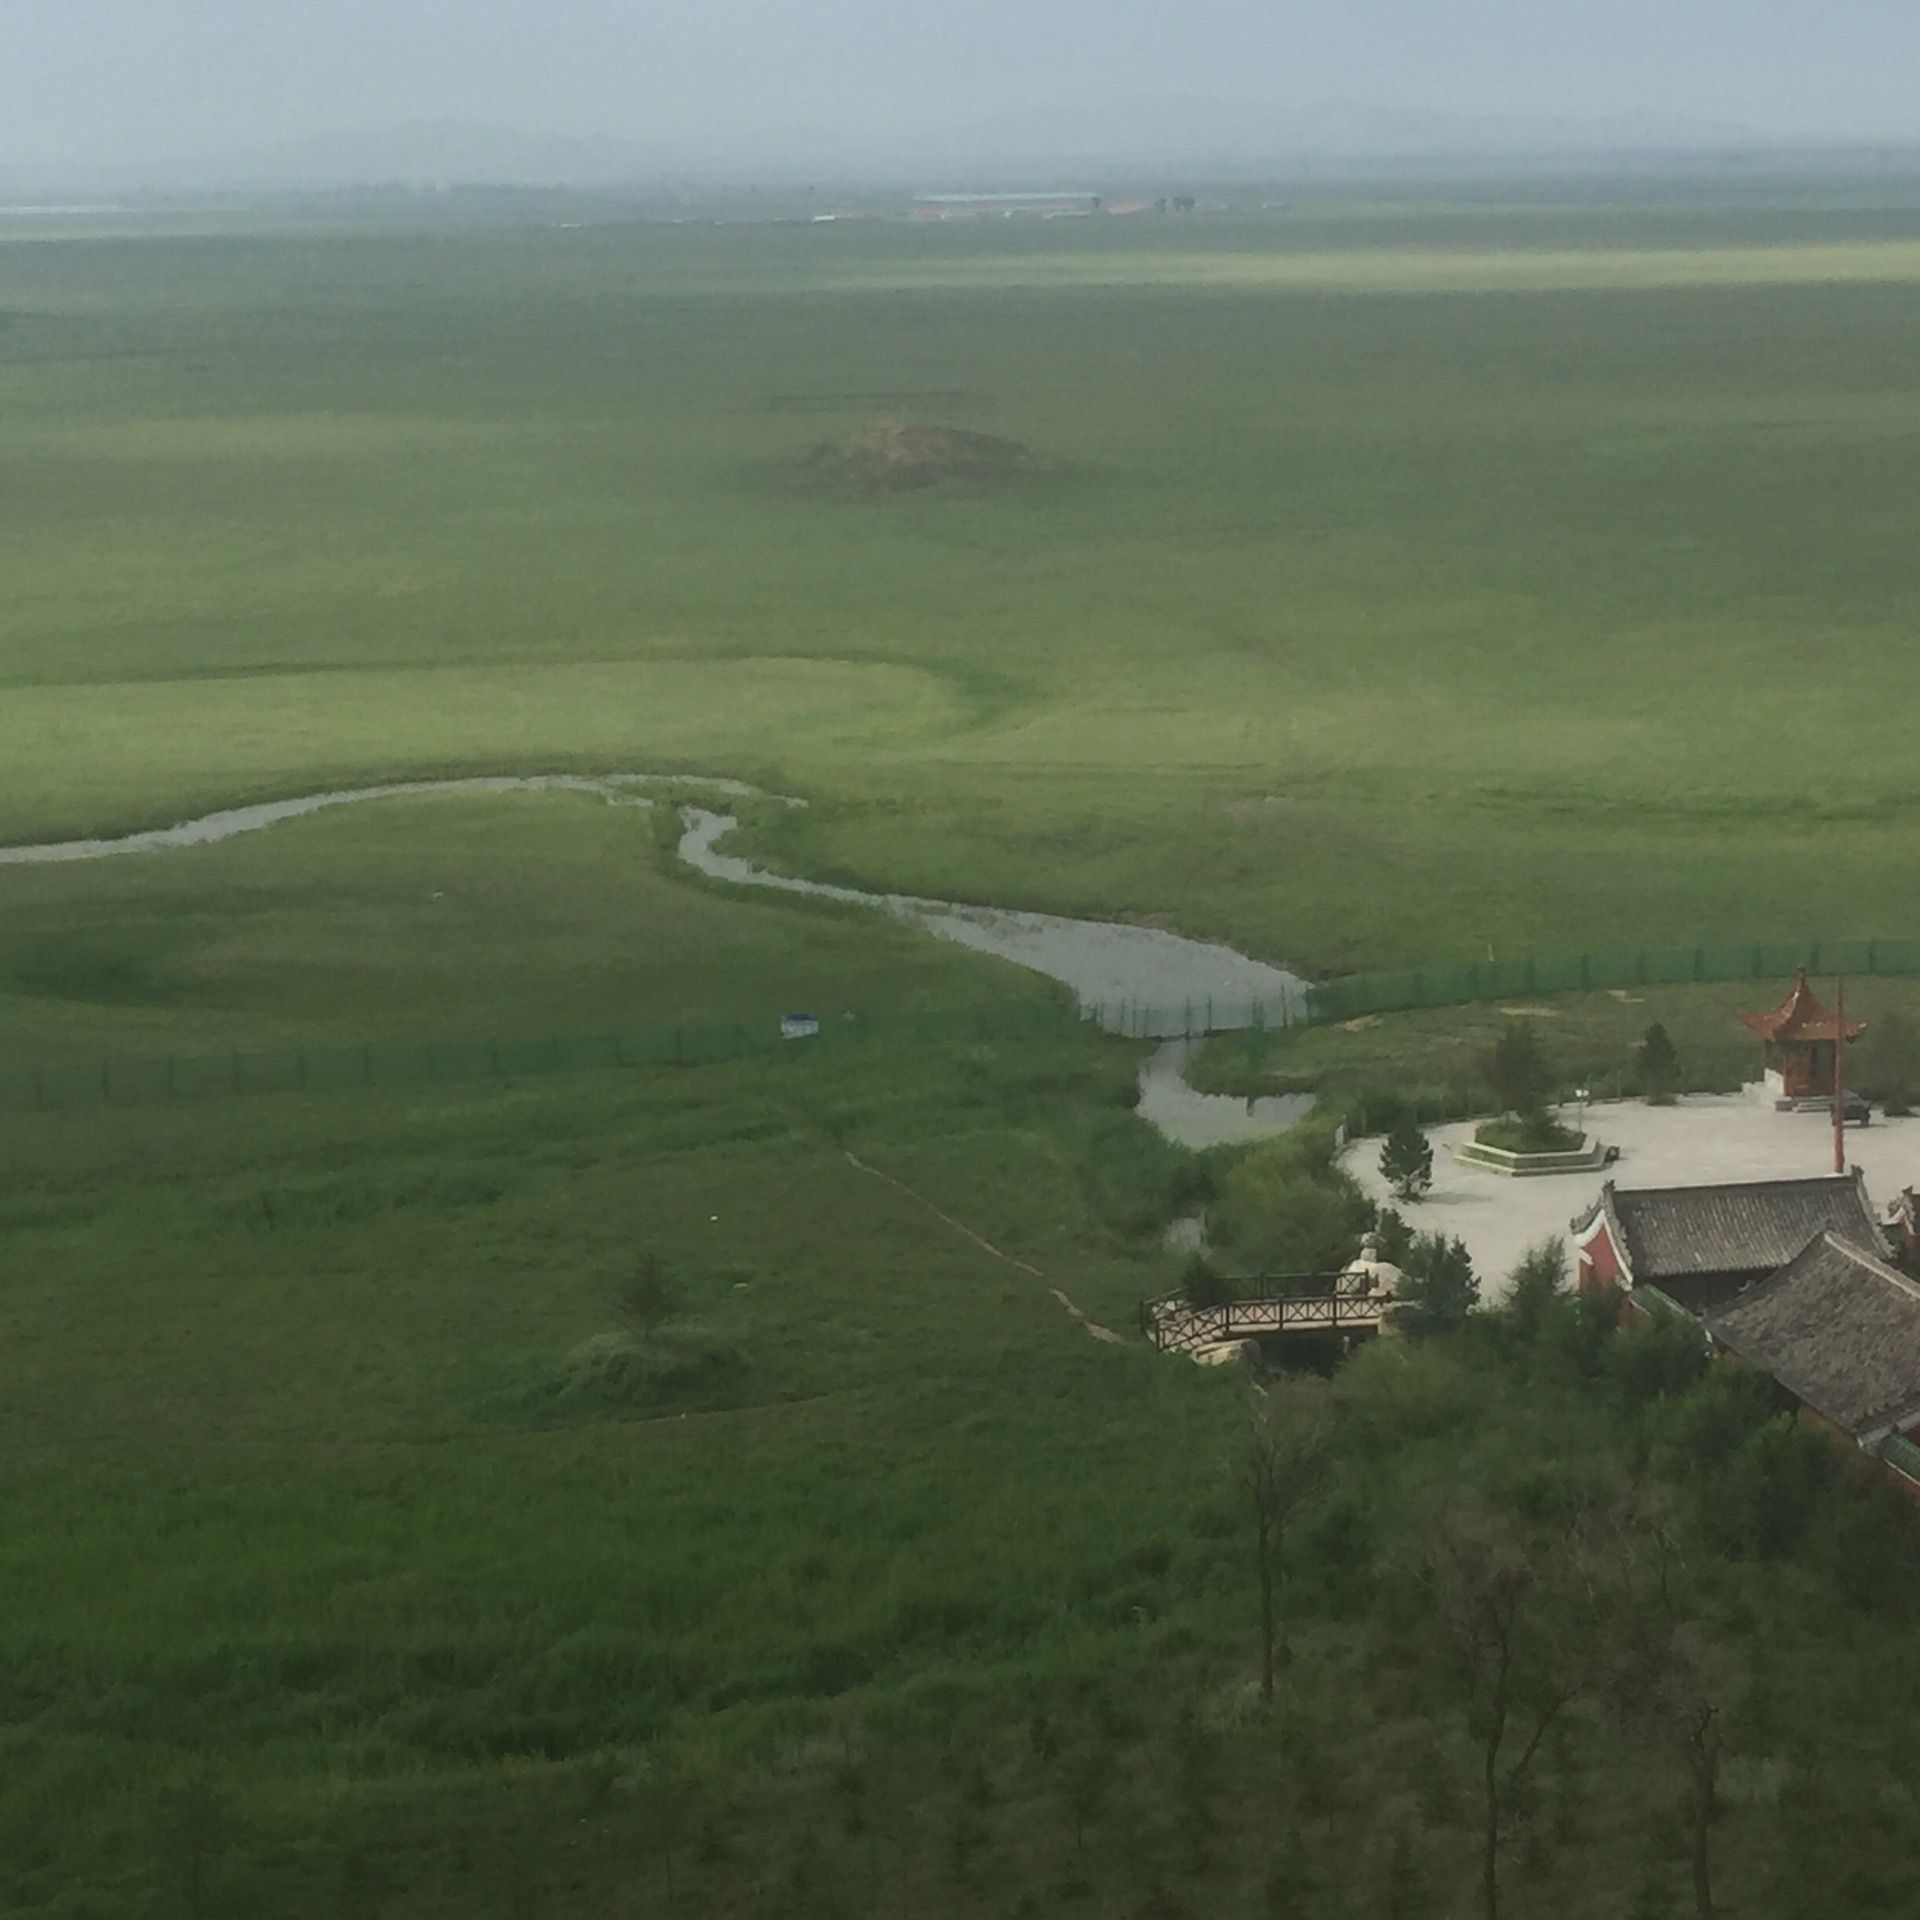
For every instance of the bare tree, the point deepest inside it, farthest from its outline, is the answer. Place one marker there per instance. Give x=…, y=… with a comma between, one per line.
x=1522, y=1622
x=1283, y=1465
x=1693, y=1709
x=1676, y=1687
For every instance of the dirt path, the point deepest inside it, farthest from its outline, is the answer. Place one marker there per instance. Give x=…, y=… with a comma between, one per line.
x=986, y=1246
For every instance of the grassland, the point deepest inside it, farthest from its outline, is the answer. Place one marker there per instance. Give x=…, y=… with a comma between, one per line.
x=1384, y=583
x=340, y=1577
x=1382, y=589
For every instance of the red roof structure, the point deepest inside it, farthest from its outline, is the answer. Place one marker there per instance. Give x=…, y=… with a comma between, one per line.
x=1801, y=1040
x=1799, y=1018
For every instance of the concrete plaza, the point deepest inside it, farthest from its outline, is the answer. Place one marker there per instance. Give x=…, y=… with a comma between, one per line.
x=1703, y=1139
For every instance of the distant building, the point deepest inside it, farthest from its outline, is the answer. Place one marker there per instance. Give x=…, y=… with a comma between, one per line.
x=1798, y=1039
x=1700, y=1246
x=1005, y=206
x=1839, y=1330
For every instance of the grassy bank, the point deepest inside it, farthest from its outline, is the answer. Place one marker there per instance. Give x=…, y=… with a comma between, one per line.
x=1589, y=1040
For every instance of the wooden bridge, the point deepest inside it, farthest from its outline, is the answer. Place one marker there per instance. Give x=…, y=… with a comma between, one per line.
x=1176, y=1327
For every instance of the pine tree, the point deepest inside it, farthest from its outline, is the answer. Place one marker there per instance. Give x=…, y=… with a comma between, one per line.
x=1517, y=1070
x=1406, y=1160
x=1441, y=1287
x=1658, y=1066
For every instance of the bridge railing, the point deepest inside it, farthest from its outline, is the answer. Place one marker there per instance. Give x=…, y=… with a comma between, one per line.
x=1174, y=1326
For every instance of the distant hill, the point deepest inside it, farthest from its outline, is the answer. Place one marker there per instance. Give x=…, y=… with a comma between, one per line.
x=419, y=154
x=1169, y=138
x=1210, y=138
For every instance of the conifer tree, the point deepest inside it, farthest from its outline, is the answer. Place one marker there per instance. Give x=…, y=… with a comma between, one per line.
x=1658, y=1066
x=1406, y=1160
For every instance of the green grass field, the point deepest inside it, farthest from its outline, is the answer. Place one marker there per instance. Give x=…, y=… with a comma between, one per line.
x=1383, y=589
x=1387, y=583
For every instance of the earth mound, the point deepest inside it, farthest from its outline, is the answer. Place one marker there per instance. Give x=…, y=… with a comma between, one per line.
x=896, y=456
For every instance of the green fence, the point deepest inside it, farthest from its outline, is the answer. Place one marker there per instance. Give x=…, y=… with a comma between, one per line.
x=1451, y=986
x=386, y=1063
x=322, y=1069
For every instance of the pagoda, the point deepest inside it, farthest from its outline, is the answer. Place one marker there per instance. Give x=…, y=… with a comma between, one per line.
x=1800, y=1036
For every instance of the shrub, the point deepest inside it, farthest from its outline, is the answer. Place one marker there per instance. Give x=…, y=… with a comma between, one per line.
x=1535, y=1132
x=1394, y=1235
x=1377, y=1110
x=1203, y=1284
x=1286, y=1208
x=648, y=1297
x=630, y=1374
x=1654, y=1358
x=1536, y=1286
x=1888, y=1064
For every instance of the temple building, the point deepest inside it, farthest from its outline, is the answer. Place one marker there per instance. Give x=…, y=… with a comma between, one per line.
x=1701, y=1246
x=1839, y=1331
x=1799, y=1037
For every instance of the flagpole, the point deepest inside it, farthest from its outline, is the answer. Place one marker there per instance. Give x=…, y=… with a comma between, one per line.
x=1839, y=1073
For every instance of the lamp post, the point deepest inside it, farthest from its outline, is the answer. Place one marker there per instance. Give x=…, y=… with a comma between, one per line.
x=1583, y=1095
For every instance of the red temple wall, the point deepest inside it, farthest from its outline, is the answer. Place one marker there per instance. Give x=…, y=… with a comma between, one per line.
x=1600, y=1264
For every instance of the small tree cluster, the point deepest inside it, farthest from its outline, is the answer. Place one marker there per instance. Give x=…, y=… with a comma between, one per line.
x=1285, y=1207
x=1888, y=1065
x=1441, y=1287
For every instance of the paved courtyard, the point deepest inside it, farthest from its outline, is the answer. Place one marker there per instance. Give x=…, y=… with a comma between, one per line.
x=1705, y=1138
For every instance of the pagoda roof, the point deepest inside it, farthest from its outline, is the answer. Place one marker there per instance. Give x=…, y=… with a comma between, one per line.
x=1800, y=1016
x=1839, y=1329
x=1741, y=1226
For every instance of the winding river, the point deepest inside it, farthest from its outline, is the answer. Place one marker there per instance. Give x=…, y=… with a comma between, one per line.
x=1137, y=980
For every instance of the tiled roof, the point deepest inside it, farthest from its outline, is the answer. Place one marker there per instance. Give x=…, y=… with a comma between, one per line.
x=1800, y=1016
x=1839, y=1329
x=1745, y=1227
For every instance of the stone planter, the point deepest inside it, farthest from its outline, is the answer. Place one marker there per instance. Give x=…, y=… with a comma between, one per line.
x=1581, y=1159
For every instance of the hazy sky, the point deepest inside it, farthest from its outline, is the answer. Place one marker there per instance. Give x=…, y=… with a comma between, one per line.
x=89, y=80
